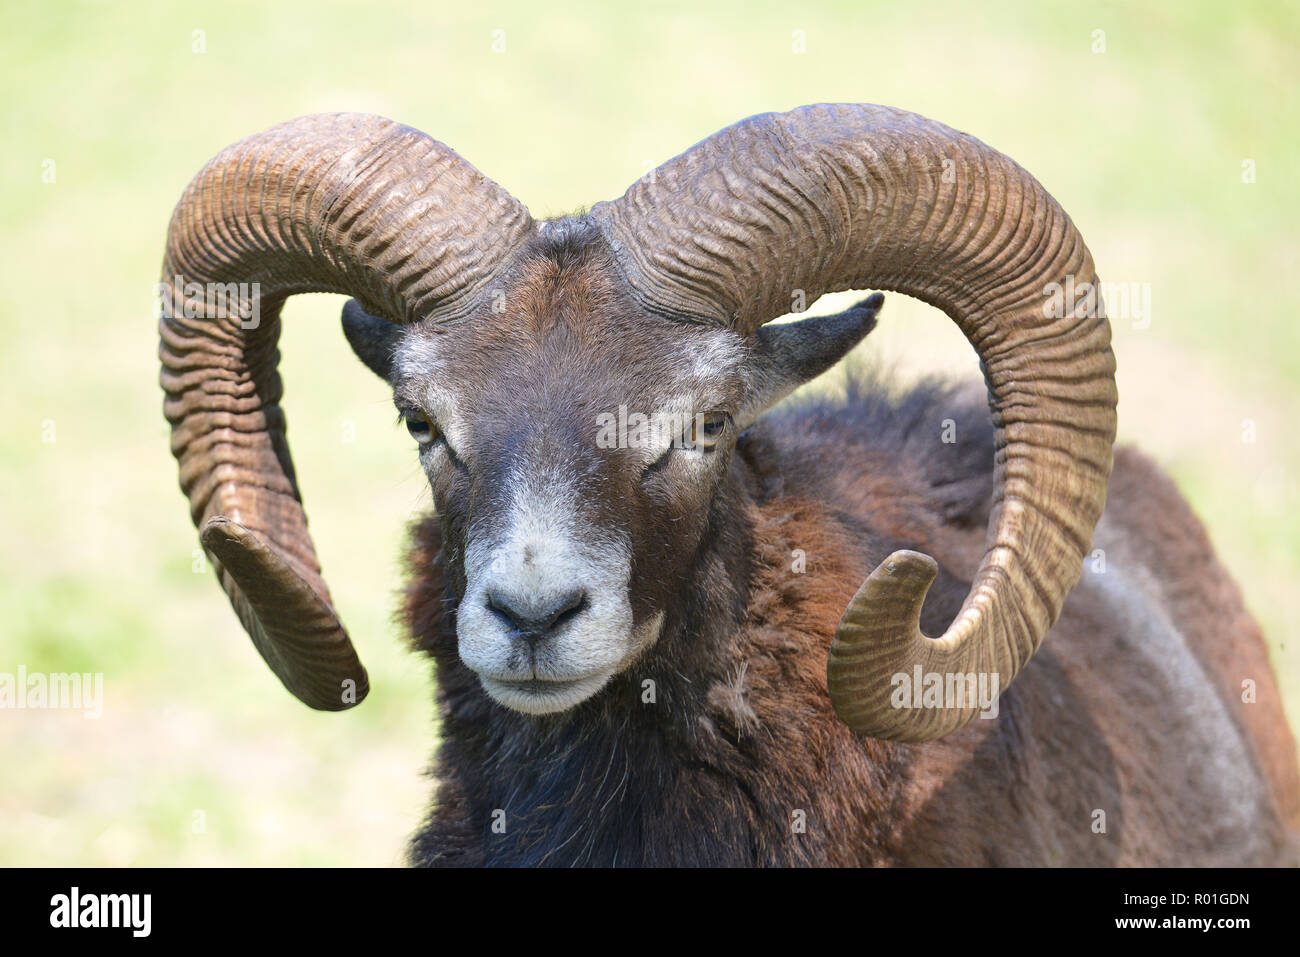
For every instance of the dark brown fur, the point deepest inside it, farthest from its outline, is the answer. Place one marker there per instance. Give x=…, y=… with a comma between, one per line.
x=741, y=745
x=1125, y=741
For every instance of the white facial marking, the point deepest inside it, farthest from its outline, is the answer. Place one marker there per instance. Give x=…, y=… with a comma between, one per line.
x=716, y=356
x=417, y=358
x=531, y=558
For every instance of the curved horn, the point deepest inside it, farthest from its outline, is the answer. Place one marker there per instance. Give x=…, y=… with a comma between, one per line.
x=340, y=203
x=834, y=197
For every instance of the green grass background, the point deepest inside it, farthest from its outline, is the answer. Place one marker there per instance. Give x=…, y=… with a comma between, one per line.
x=200, y=756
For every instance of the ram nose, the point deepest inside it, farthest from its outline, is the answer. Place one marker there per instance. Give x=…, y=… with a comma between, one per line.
x=536, y=617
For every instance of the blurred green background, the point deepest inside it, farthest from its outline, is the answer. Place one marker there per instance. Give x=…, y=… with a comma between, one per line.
x=1141, y=131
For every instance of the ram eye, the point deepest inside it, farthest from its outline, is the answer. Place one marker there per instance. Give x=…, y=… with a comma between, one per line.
x=707, y=429
x=420, y=427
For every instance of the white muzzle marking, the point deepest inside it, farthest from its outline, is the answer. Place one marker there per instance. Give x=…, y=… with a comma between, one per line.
x=534, y=555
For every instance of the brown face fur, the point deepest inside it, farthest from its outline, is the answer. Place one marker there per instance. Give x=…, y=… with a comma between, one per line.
x=525, y=398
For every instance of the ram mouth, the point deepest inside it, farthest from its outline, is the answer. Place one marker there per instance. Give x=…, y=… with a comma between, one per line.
x=542, y=696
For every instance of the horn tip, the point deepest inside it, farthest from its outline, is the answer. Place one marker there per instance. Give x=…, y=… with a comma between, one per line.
x=907, y=568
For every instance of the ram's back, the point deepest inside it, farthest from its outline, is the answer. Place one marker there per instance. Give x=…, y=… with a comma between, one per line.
x=1149, y=728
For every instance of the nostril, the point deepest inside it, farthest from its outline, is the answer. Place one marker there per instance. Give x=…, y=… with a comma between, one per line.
x=502, y=608
x=572, y=606
x=535, y=619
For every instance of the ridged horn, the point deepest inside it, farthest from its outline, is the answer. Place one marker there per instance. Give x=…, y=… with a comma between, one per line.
x=848, y=196
x=342, y=203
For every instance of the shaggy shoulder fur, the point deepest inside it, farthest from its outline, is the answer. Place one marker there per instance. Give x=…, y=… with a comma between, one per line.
x=719, y=747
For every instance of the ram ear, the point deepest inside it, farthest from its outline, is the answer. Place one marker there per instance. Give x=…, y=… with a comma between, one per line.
x=788, y=355
x=374, y=340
